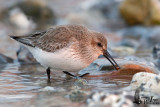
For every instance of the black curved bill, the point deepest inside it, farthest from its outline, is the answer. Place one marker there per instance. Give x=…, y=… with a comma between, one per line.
x=111, y=60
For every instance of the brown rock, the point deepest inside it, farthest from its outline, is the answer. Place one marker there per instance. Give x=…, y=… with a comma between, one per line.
x=144, y=12
x=126, y=72
x=155, y=11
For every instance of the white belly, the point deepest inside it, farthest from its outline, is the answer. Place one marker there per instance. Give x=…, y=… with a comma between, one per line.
x=63, y=59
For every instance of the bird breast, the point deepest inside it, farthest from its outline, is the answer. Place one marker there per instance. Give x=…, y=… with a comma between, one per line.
x=64, y=59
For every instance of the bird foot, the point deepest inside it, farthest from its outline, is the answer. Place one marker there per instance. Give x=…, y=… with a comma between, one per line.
x=75, y=77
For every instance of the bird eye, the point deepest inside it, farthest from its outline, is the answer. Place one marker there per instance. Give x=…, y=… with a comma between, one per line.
x=99, y=44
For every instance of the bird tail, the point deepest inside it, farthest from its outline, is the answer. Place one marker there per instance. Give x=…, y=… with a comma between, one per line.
x=22, y=40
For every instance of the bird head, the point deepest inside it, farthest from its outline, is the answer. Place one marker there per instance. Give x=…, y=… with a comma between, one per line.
x=99, y=44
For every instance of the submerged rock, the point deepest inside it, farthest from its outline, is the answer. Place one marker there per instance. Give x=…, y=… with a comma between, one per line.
x=103, y=99
x=141, y=12
x=146, y=82
x=25, y=56
x=5, y=60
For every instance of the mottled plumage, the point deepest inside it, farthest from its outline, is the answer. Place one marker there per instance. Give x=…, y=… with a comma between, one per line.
x=65, y=47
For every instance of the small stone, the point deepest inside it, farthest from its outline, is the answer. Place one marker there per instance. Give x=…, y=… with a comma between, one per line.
x=104, y=99
x=146, y=81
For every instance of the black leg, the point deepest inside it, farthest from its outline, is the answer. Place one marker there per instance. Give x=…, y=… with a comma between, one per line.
x=69, y=74
x=83, y=75
x=48, y=73
x=19, y=50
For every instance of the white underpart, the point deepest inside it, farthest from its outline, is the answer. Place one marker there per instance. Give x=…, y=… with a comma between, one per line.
x=63, y=59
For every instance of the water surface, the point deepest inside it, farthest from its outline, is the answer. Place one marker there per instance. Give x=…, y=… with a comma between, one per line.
x=26, y=85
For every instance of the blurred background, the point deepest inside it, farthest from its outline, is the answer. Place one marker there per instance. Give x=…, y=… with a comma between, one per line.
x=132, y=28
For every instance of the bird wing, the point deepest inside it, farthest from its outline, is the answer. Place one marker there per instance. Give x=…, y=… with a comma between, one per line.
x=50, y=40
x=54, y=39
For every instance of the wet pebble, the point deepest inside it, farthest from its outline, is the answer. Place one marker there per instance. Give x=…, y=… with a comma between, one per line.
x=146, y=81
x=5, y=60
x=103, y=99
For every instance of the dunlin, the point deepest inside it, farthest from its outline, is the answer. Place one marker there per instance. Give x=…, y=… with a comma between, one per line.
x=66, y=47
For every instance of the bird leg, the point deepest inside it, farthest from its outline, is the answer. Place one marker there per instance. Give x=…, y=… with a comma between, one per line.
x=76, y=77
x=48, y=73
x=83, y=75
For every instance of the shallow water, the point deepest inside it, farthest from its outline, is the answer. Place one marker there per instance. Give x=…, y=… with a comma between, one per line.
x=23, y=85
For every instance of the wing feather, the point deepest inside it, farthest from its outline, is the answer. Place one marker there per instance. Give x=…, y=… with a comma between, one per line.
x=54, y=39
